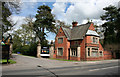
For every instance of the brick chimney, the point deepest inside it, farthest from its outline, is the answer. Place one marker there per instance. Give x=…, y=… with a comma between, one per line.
x=74, y=24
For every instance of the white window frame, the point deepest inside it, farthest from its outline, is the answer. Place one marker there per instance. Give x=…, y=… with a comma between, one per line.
x=102, y=53
x=58, y=52
x=95, y=51
x=74, y=52
x=60, y=38
x=96, y=40
x=88, y=51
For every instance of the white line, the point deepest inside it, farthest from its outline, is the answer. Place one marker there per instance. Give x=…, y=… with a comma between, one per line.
x=103, y=68
x=76, y=68
x=94, y=70
x=110, y=67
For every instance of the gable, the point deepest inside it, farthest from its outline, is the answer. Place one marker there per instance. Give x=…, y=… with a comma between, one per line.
x=60, y=32
x=92, y=27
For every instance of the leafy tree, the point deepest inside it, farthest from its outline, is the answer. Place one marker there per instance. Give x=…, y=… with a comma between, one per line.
x=7, y=9
x=17, y=42
x=44, y=21
x=60, y=23
x=110, y=26
x=117, y=26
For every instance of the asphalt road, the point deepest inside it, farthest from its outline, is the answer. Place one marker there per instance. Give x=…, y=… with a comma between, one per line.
x=30, y=66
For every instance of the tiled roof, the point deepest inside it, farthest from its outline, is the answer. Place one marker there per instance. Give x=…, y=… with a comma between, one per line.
x=76, y=32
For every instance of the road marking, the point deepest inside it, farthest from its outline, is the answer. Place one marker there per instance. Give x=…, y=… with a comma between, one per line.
x=76, y=68
x=94, y=69
x=103, y=68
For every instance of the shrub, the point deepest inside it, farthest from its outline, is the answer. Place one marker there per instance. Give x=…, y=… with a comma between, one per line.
x=33, y=49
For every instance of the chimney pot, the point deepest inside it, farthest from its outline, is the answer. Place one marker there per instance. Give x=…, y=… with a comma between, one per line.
x=74, y=24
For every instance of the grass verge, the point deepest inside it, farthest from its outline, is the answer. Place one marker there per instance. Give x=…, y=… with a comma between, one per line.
x=4, y=61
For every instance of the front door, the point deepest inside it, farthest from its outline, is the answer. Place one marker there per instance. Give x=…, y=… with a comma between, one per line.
x=69, y=54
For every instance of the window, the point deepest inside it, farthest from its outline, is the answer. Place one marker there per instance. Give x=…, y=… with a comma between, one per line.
x=100, y=53
x=75, y=42
x=95, y=40
x=60, y=51
x=74, y=51
x=95, y=52
x=88, y=51
x=60, y=40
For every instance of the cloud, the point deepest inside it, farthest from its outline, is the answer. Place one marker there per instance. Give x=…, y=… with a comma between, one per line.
x=19, y=20
x=81, y=10
x=59, y=9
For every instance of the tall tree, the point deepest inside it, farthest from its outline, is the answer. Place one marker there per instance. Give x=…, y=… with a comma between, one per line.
x=109, y=27
x=117, y=27
x=7, y=9
x=44, y=21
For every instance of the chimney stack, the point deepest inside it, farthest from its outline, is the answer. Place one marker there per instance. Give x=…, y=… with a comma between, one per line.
x=74, y=24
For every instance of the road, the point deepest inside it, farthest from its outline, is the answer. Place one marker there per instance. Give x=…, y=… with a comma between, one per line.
x=45, y=67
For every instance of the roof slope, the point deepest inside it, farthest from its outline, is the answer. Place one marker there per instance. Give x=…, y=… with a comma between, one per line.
x=67, y=32
x=76, y=32
x=79, y=31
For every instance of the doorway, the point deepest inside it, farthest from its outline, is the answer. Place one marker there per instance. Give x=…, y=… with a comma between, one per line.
x=69, y=54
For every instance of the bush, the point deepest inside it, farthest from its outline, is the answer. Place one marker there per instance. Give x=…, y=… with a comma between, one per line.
x=33, y=49
x=18, y=49
x=30, y=50
x=25, y=50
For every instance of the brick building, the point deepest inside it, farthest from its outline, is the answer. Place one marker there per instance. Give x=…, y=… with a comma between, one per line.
x=79, y=43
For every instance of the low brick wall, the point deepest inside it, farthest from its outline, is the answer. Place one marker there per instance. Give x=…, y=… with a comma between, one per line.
x=61, y=57
x=75, y=58
x=107, y=55
x=94, y=58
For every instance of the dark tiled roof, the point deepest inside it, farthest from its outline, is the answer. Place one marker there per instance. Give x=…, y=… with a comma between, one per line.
x=67, y=32
x=76, y=32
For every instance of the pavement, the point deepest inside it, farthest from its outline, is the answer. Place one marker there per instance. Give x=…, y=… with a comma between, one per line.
x=46, y=67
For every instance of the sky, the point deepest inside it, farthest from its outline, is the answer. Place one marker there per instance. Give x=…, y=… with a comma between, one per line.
x=65, y=10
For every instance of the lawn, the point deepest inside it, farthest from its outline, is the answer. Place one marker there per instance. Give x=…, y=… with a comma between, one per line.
x=4, y=61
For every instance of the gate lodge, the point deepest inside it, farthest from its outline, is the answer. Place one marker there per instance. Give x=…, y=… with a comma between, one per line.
x=79, y=43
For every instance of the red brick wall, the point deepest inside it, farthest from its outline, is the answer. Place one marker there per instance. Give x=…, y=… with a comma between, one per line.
x=107, y=55
x=83, y=53
x=92, y=27
x=95, y=58
x=88, y=39
x=65, y=44
x=75, y=58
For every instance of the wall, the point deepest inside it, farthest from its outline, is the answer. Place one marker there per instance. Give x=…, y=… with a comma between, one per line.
x=83, y=51
x=107, y=55
x=92, y=27
x=65, y=45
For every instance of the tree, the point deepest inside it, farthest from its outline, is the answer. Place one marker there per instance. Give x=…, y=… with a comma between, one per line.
x=7, y=9
x=117, y=27
x=110, y=26
x=17, y=42
x=44, y=21
x=60, y=23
